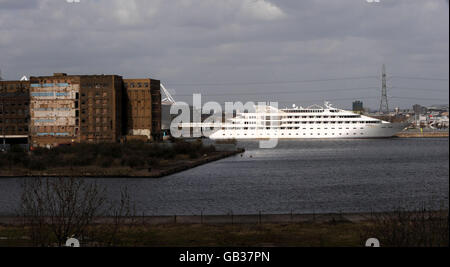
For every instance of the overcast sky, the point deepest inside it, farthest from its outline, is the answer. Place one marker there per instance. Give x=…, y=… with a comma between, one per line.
x=289, y=51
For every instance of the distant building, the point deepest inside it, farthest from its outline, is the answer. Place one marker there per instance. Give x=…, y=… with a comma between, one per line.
x=358, y=106
x=438, y=109
x=14, y=111
x=418, y=109
x=143, y=108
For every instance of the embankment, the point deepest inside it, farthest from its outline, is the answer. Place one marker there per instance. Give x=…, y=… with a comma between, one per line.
x=170, y=167
x=423, y=135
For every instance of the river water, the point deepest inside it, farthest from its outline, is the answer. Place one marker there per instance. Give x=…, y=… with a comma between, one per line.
x=305, y=176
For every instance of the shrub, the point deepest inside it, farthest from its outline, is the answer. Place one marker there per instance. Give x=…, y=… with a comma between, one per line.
x=38, y=151
x=405, y=228
x=153, y=162
x=193, y=154
x=169, y=154
x=16, y=149
x=182, y=148
x=133, y=161
x=82, y=161
x=36, y=165
x=112, y=150
x=16, y=158
x=2, y=162
x=106, y=162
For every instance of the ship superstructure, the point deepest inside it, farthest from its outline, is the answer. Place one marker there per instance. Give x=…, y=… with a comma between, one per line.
x=298, y=122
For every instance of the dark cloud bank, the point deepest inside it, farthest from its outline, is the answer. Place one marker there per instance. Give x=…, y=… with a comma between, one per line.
x=228, y=47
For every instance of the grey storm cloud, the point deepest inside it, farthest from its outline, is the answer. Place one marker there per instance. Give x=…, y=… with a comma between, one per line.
x=238, y=49
x=18, y=4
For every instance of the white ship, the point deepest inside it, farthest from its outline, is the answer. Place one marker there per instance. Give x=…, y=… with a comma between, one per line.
x=312, y=122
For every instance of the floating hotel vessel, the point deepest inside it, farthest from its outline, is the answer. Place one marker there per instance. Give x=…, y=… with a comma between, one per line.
x=311, y=122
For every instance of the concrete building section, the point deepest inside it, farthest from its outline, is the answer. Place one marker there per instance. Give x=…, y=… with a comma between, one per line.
x=14, y=111
x=143, y=103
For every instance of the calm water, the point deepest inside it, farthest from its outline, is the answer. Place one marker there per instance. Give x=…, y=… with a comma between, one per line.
x=299, y=176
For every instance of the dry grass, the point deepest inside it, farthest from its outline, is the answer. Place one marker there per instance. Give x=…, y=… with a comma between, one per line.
x=400, y=228
x=181, y=235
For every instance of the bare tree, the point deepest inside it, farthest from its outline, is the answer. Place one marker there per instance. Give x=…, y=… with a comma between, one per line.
x=55, y=209
x=410, y=228
x=122, y=213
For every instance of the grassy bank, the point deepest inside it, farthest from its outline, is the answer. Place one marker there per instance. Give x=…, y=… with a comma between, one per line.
x=136, y=159
x=301, y=234
x=393, y=229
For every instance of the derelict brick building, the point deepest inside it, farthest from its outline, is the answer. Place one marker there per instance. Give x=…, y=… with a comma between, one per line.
x=143, y=108
x=14, y=111
x=75, y=108
x=65, y=109
x=101, y=108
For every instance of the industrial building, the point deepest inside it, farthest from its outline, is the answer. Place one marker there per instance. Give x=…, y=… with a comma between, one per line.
x=54, y=110
x=14, y=111
x=63, y=109
x=101, y=108
x=75, y=108
x=143, y=104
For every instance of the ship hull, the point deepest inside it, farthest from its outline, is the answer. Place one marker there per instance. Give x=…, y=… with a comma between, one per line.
x=384, y=130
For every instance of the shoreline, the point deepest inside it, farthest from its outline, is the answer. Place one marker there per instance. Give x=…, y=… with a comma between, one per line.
x=422, y=135
x=125, y=173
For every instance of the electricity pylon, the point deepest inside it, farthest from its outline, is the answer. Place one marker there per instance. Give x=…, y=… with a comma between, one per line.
x=384, y=107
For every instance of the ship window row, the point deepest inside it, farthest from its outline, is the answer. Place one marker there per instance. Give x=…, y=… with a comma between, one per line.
x=321, y=122
x=309, y=111
x=325, y=117
x=292, y=134
x=325, y=122
x=306, y=111
x=290, y=128
x=330, y=122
